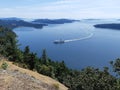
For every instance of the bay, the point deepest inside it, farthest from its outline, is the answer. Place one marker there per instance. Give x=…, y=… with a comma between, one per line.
x=97, y=48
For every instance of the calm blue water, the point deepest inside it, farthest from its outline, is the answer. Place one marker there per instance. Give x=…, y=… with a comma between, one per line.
x=97, y=50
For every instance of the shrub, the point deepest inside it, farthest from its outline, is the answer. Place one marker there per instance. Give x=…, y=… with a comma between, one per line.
x=4, y=65
x=56, y=86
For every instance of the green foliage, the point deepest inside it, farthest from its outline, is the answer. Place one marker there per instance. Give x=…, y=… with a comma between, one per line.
x=46, y=70
x=4, y=65
x=116, y=66
x=8, y=43
x=29, y=58
x=44, y=58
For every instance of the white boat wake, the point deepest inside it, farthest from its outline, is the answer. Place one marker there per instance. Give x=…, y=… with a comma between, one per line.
x=71, y=40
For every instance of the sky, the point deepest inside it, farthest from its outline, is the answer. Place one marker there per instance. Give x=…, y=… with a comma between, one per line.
x=73, y=9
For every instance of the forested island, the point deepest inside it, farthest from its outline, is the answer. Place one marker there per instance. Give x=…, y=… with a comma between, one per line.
x=89, y=78
x=13, y=23
x=37, y=23
x=54, y=21
x=108, y=26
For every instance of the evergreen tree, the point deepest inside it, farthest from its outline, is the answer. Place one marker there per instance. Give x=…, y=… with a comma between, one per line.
x=31, y=61
x=44, y=58
x=26, y=50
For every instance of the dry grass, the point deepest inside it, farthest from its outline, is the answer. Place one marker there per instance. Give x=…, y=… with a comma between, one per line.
x=44, y=79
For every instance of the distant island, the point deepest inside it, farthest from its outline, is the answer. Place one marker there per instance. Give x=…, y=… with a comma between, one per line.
x=14, y=23
x=108, y=26
x=54, y=21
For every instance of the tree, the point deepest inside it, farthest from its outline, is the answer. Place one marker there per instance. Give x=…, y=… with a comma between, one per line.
x=26, y=50
x=8, y=44
x=26, y=54
x=44, y=58
x=116, y=66
x=31, y=61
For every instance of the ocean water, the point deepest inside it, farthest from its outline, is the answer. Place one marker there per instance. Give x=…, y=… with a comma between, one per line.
x=84, y=46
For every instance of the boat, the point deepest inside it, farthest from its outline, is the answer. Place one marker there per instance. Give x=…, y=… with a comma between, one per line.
x=59, y=41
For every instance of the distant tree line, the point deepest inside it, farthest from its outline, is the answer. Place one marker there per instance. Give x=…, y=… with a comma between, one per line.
x=89, y=78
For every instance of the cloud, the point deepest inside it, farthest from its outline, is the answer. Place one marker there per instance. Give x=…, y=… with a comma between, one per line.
x=66, y=9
